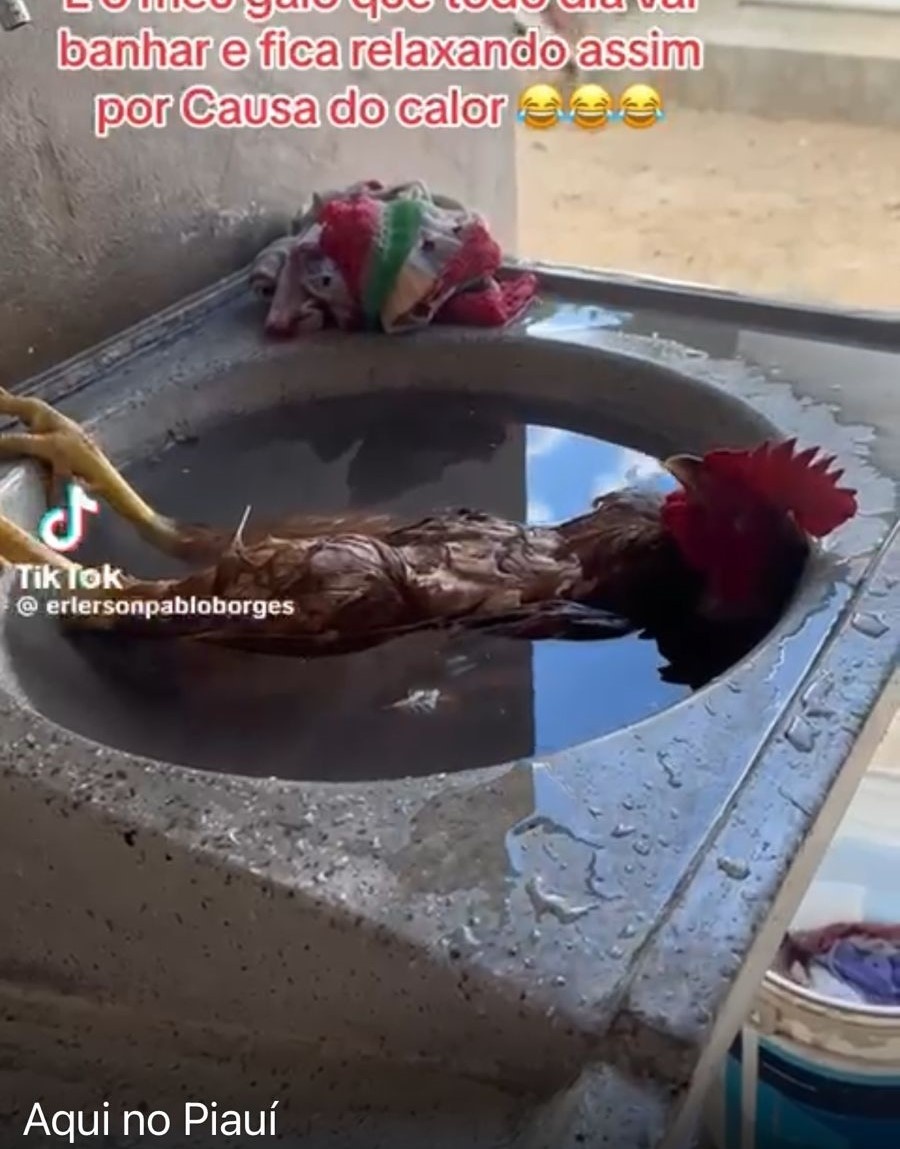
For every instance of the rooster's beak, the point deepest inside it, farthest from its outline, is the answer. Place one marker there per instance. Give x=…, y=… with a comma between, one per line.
x=686, y=469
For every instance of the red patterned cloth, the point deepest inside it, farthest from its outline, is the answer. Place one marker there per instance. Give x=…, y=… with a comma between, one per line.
x=387, y=259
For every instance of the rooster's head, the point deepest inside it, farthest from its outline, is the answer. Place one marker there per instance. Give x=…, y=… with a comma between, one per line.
x=744, y=519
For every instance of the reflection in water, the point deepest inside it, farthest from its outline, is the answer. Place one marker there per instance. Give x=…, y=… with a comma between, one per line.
x=425, y=704
x=582, y=690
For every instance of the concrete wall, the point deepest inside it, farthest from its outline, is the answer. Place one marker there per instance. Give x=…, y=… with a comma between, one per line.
x=97, y=234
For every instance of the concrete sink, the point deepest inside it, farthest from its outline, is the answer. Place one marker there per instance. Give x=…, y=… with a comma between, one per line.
x=430, y=895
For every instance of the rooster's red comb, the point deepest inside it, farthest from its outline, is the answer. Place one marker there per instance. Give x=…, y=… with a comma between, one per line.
x=795, y=482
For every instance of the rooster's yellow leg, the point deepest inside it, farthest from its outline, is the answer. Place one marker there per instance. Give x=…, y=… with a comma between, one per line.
x=19, y=548
x=59, y=442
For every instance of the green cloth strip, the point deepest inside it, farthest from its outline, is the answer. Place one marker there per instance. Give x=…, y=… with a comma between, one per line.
x=400, y=232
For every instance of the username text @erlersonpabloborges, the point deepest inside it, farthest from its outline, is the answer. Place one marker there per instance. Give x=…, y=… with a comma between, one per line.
x=69, y=592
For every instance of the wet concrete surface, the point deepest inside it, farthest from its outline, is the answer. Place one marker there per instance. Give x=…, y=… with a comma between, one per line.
x=566, y=930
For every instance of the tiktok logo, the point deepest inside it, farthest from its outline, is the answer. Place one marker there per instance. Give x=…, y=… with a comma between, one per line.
x=62, y=528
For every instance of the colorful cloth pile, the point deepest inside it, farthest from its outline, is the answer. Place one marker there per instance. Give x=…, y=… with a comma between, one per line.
x=387, y=259
x=858, y=962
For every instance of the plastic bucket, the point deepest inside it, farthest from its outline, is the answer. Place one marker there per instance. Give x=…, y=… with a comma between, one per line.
x=814, y=1072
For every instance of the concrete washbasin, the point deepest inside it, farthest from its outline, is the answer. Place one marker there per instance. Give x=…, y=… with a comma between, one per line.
x=481, y=894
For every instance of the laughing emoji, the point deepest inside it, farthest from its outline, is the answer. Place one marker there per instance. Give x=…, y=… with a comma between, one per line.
x=590, y=107
x=540, y=106
x=640, y=106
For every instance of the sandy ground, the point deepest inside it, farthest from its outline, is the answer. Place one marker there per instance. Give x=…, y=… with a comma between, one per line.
x=810, y=211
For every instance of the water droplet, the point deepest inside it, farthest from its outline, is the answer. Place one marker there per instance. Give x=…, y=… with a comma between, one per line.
x=545, y=902
x=671, y=773
x=734, y=868
x=622, y=830
x=869, y=624
x=559, y=980
x=815, y=698
x=663, y=841
x=642, y=846
x=800, y=735
x=616, y=952
x=462, y=938
x=628, y=804
x=628, y=931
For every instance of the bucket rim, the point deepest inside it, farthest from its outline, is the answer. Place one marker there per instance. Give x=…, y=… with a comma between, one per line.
x=784, y=985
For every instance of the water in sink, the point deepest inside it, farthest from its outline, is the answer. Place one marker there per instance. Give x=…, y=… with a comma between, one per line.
x=425, y=704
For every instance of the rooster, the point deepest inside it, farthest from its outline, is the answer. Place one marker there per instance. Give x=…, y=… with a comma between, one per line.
x=719, y=556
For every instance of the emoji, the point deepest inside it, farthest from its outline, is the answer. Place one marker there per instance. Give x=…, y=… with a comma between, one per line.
x=640, y=106
x=590, y=106
x=540, y=106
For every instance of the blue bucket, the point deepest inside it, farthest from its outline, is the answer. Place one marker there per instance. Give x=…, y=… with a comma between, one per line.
x=809, y=1071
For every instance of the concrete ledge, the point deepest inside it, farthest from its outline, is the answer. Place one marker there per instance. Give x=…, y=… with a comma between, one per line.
x=798, y=61
x=781, y=83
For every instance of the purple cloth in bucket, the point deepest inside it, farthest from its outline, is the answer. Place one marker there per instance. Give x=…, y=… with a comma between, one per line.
x=864, y=956
x=870, y=965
